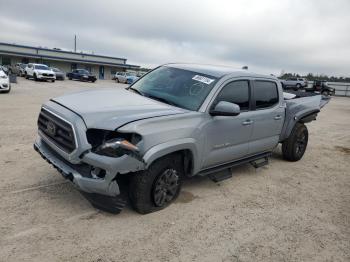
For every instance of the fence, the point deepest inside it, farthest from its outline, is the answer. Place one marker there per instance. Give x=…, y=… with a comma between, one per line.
x=341, y=88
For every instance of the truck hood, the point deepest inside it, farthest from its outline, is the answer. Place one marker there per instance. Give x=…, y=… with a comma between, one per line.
x=111, y=108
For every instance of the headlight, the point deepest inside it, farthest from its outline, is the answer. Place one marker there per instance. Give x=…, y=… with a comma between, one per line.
x=113, y=143
x=116, y=148
x=4, y=77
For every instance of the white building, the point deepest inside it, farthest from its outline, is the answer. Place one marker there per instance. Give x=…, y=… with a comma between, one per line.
x=101, y=66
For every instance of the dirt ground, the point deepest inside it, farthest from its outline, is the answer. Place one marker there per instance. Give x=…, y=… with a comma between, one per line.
x=281, y=212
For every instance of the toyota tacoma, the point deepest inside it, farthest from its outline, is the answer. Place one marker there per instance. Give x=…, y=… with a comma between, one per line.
x=177, y=121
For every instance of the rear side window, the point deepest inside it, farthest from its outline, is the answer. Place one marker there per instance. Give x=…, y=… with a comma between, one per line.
x=265, y=94
x=235, y=92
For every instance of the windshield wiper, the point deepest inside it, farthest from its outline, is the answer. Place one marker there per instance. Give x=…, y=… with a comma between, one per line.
x=135, y=91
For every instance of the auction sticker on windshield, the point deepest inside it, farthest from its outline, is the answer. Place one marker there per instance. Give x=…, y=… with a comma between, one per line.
x=203, y=79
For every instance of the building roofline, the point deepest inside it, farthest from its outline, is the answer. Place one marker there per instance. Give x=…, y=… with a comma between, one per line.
x=61, y=51
x=56, y=58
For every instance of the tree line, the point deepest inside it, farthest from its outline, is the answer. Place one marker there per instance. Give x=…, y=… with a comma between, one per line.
x=312, y=77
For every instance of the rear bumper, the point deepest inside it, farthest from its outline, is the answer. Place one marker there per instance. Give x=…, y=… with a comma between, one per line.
x=81, y=174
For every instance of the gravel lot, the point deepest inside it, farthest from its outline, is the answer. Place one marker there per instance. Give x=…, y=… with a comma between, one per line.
x=280, y=212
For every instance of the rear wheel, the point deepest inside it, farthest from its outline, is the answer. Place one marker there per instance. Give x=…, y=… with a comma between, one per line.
x=325, y=93
x=297, y=87
x=294, y=147
x=156, y=188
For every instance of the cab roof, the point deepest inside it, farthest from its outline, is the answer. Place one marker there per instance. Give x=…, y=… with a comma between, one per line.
x=216, y=71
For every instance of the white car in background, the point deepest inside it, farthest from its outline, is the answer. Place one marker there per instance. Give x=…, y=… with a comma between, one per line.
x=125, y=77
x=5, y=85
x=40, y=72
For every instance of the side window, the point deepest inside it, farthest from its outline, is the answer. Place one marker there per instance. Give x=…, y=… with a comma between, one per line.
x=265, y=94
x=235, y=92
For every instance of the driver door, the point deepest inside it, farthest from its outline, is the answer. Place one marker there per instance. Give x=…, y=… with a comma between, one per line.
x=228, y=137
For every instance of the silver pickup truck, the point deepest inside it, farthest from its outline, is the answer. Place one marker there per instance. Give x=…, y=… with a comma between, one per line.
x=177, y=121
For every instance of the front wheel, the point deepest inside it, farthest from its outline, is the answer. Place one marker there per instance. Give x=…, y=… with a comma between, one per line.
x=293, y=148
x=158, y=186
x=35, y=77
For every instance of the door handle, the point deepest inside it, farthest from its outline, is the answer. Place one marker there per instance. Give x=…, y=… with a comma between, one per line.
x=278, y=117
x=247, y=122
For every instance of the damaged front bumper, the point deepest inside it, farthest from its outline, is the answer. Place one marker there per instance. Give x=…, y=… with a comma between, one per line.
x=82, y=176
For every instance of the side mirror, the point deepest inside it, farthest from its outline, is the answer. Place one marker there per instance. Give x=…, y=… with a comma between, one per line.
x=224, y=108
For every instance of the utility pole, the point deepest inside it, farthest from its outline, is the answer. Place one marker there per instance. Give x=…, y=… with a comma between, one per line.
x=75, y=43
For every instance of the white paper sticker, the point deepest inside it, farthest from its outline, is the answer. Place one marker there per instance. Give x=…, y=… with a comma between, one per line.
x=203, y=79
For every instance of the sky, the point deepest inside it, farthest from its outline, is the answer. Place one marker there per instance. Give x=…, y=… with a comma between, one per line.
x=269, y=36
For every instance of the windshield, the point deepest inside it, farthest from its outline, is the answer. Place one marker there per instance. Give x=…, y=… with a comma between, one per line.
x=41, y=67
x=182, y=88
x=83, y=71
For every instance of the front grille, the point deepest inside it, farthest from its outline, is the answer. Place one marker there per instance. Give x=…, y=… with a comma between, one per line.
x=57, y=130
x=44, y=74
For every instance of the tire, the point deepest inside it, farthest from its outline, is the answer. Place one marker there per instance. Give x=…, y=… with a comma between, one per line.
x=53, y=80
x=325, y=93
x=297, y=87
x=35, y=77
x=158, y=186
x=69, y=78
x=117, y=80
x=26, y=75
x=293, y=148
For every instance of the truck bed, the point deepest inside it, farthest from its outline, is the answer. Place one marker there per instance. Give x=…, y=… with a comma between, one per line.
x=304, y=108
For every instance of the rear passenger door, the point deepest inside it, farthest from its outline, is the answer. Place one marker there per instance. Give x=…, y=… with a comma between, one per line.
x=268, y=116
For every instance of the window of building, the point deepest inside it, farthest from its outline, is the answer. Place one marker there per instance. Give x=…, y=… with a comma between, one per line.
x=265, y=93
x=236, y=92
x=6, y=60
x=88, y=68
x=25, y=60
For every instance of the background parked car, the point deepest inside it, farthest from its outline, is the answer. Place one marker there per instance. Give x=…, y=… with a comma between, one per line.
x=295, y=83
x=59, y=73
x=5, y=85
x=322, y=87
x=125, y=77
x=39, y=72
x=4, y=69
x=22, y=69
x=82, y=75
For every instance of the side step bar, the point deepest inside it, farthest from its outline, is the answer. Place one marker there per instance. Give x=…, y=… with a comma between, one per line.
x=222, y=175
x=260, y=162
x=221, y=172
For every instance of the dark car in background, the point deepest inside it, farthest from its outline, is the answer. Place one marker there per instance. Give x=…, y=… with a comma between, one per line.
x=59, y=73
x=82, y=75
x=322, y=87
